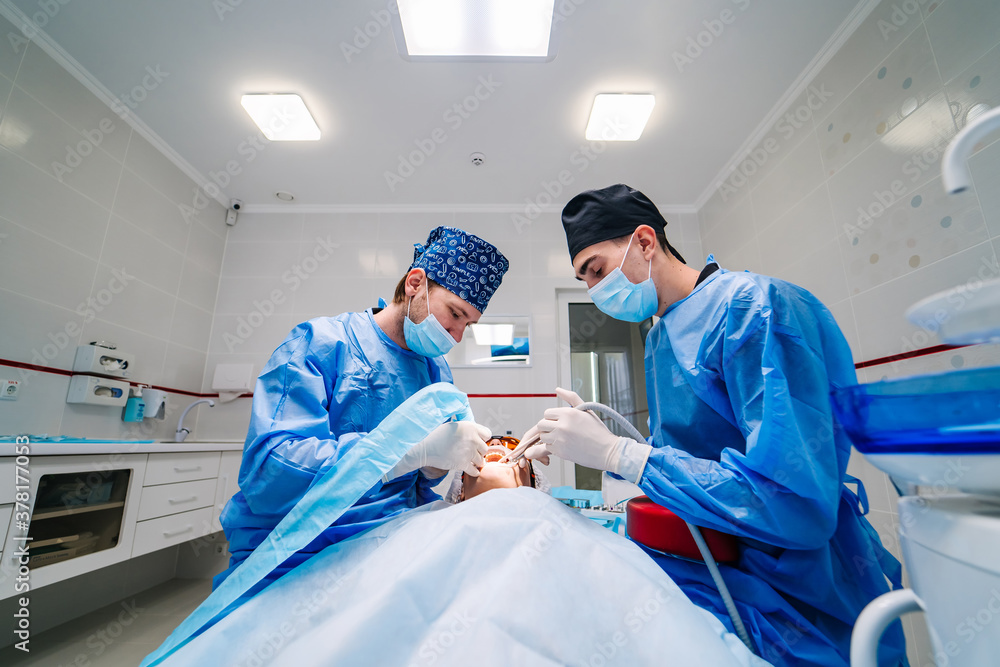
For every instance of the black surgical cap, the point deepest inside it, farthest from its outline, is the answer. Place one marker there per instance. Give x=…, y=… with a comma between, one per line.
x=609, y=213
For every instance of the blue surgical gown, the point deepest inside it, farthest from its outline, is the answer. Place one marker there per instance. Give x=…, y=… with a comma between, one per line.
x=739, y=375
x=332, y=381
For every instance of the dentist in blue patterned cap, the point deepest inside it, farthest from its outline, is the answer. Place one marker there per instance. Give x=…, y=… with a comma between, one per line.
x=335, y=378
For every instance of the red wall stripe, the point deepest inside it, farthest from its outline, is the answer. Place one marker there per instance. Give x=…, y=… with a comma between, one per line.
x=59, y=371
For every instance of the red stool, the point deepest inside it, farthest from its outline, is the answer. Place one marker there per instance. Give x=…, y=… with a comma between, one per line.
x=660, y=529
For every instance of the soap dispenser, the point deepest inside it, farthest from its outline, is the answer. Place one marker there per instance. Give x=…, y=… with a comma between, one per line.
x=134, y=407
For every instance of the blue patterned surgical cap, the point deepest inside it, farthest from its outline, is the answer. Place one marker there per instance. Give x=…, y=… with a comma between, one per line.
x=463, y=263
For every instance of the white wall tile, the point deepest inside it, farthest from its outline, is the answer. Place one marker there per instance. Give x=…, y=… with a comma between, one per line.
x=55, y=88
x=744, y=258
x=979, y=84
x=199, y=286
x=281, y=228
x=905, y=80
x=882, y=325
x=5, y=87
x=38, y=201
x=142, y=255
x=32, y=413
x=205, y=247
x=183, y=367
x=260, y=259
x=883, y=173
x=34, y=133
x=791, y=180
x=343, y=227
x=154, y=168
x=805, y=228
x=149, y=350
x=10, y=57
x=227, y=421
x=144, y=206
x=985, y=167
x=821, y=272
x=128, y=302
x=38, y=332
x=254, y=333
x=860, y=55
x=727, y=203
x=42, y=269
x=240, y=295
x=961, y=31
x=402, y=227
x=257, y=360
x=191, y=326
x=924, y=227
x=843, y=312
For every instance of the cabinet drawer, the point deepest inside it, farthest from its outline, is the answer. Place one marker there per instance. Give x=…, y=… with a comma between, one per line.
x=175, y=498
x=169, y=530
x=181, y=467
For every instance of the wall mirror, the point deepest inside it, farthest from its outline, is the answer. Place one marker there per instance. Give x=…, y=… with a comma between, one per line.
x=496, y=341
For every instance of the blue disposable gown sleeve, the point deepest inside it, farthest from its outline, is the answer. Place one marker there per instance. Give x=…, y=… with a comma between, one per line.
x=785, y=489
x=290, y=440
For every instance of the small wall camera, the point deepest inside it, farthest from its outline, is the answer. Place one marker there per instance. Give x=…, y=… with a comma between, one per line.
x=235, y=206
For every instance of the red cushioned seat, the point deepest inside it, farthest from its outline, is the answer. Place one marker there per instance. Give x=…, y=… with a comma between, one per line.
x=658, y=528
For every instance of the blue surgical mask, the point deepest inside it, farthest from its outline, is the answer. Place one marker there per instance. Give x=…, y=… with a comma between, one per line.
x=428, y=338
x=622, y=299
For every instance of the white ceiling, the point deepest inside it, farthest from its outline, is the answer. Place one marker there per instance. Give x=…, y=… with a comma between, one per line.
x=372, y=109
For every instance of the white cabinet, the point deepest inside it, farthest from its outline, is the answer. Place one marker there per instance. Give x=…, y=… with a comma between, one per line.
x=90, y=511
x=177, y=499
x=83, y=515
x=229, y=484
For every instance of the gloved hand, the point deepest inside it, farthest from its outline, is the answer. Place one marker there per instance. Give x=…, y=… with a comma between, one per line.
x=581, y=437
x=453, y=445
x=540, y=452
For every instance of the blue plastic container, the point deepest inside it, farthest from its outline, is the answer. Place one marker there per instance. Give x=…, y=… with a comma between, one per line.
x=948, y=413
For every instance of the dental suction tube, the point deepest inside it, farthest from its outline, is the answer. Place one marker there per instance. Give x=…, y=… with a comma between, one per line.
x=713, y=567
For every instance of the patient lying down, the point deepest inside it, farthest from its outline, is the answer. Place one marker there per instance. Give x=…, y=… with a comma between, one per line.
x=494, y=475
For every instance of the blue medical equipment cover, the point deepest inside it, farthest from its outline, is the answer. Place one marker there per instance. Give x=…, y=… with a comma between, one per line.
x=333, y=380
x=739, y=376
x=510, y=577
x=462, y=262
x=335, y=490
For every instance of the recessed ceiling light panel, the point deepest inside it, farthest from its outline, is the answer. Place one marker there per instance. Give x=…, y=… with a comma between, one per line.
x=281, y=117
x=619, y=117
x=476, y=29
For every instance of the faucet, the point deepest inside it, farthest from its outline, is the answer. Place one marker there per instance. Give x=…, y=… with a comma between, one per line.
x=954, y=170
x=182, y=432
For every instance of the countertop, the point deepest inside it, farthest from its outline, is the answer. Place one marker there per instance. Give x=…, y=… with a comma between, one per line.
x=119, y=447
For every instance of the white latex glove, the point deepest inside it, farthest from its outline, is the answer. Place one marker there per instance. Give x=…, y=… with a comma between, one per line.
x=582, y=438
x=451, y=446
x=540, y=452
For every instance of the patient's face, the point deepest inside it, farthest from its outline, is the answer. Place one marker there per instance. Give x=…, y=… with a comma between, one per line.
x=494, y=476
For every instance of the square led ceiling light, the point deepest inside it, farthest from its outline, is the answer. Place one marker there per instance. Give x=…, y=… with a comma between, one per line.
x=475, y=29
x=619, y=117
x=281, y=117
